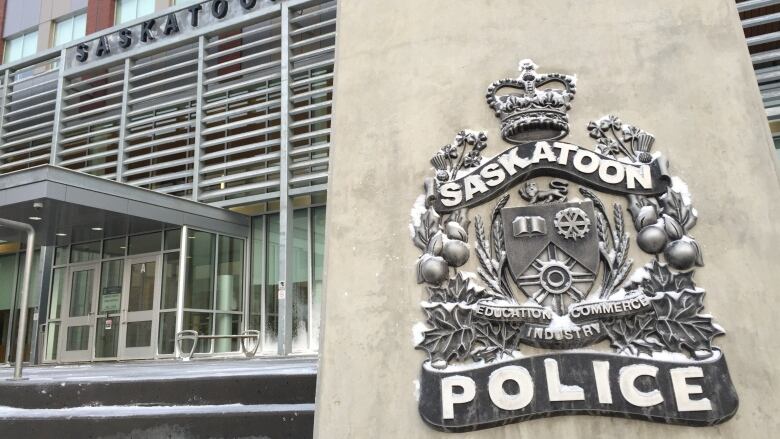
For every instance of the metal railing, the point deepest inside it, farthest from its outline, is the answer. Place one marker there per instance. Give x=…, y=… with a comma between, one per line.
x=233, y=115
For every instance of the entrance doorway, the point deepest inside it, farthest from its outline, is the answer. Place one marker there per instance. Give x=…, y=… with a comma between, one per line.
x=79, y=319
x=140, y=305
x=111, y=315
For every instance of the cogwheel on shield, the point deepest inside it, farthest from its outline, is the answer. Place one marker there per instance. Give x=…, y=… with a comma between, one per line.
x=572, y=223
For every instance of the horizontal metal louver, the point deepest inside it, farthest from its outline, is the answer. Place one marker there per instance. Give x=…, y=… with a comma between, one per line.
x=240, y=120
x=312, y=49
x=203, y=116
x=29, y=99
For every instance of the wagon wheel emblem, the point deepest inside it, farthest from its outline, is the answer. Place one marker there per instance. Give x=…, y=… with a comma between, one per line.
x=572, y=223
x=556, y=275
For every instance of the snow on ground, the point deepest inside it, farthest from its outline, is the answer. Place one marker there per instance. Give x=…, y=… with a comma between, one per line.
x=162, y=369
x=133, y=410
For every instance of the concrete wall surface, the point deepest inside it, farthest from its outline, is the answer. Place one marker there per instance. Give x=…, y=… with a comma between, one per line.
x=412, y=73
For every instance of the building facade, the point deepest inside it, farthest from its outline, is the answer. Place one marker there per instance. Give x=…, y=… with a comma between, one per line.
x=761, y=23
x=173, y=158
x=217, y=106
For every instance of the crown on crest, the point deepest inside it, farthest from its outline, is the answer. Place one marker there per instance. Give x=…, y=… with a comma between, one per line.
x=529, y=113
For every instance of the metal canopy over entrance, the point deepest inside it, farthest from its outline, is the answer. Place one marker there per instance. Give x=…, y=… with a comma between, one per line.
x=107, y=254
x=78, y=202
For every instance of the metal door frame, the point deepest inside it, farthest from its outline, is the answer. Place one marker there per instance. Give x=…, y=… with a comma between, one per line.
x=66, y=319
x=153, y=315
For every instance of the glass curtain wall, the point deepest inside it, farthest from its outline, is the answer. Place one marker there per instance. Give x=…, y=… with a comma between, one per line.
x=305, y=283
x=111, y=253
x=213, y=298
x=32, y=305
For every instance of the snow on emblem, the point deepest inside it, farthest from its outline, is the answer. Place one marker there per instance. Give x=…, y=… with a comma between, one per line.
x=561, y=289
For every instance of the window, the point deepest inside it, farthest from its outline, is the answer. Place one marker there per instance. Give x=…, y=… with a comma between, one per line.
x=127, y=10
x=305, y=282
x=69, y=29
x=21, y=46
x=213, y=292
x=776, y=139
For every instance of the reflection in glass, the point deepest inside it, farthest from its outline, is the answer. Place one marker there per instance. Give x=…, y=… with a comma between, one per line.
x=227, y=324
x=86, y=251
x=52, y=335
x=57, y=289
x=172, y=239
x=167, y=337
x=170, y=280
x=139, y=334
x=230, y=270
x=77, y=338
x=80, y=294
x=258, y=263
x=200, y=273
x=318, y=271
x=201, y=322
x=271, y=283
x=107, y=338
x=8, y=271
x=61, y=255
x=141, y=290
x=300, y=280
x=114, y=248
x=146, y=243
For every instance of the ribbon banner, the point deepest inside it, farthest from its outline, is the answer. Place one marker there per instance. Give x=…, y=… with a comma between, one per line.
x=583, y=327
x=693, y=392
x=522, y=162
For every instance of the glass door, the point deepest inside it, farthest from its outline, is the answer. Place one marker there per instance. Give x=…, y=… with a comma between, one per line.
x=79, y=319
x=108, y=317
x=140, y=306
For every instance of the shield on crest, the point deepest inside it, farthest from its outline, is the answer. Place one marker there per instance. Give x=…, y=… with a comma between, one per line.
x=552, y=251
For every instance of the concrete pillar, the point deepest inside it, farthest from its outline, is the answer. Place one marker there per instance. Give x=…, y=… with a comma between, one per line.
x=411, y=74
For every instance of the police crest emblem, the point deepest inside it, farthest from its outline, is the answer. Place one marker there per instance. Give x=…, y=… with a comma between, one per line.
x=553, y=271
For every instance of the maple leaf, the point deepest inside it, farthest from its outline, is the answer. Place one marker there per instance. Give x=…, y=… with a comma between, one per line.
x=486, y=353
x=633, y=333
x=496, y=337
x=661, y=279
x=429, y=226
x=459, y=288
x=675, y=206
x=679, y=323
x=452, y=334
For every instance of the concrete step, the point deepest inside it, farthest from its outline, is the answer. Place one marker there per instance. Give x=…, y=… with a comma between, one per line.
x=250, y=382
x=294, y=388
x=269, y=421
x=263, y=398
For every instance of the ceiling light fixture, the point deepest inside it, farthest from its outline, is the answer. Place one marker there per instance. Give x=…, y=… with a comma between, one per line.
x=36, y=218
x=97, y=229
x=62, y=234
